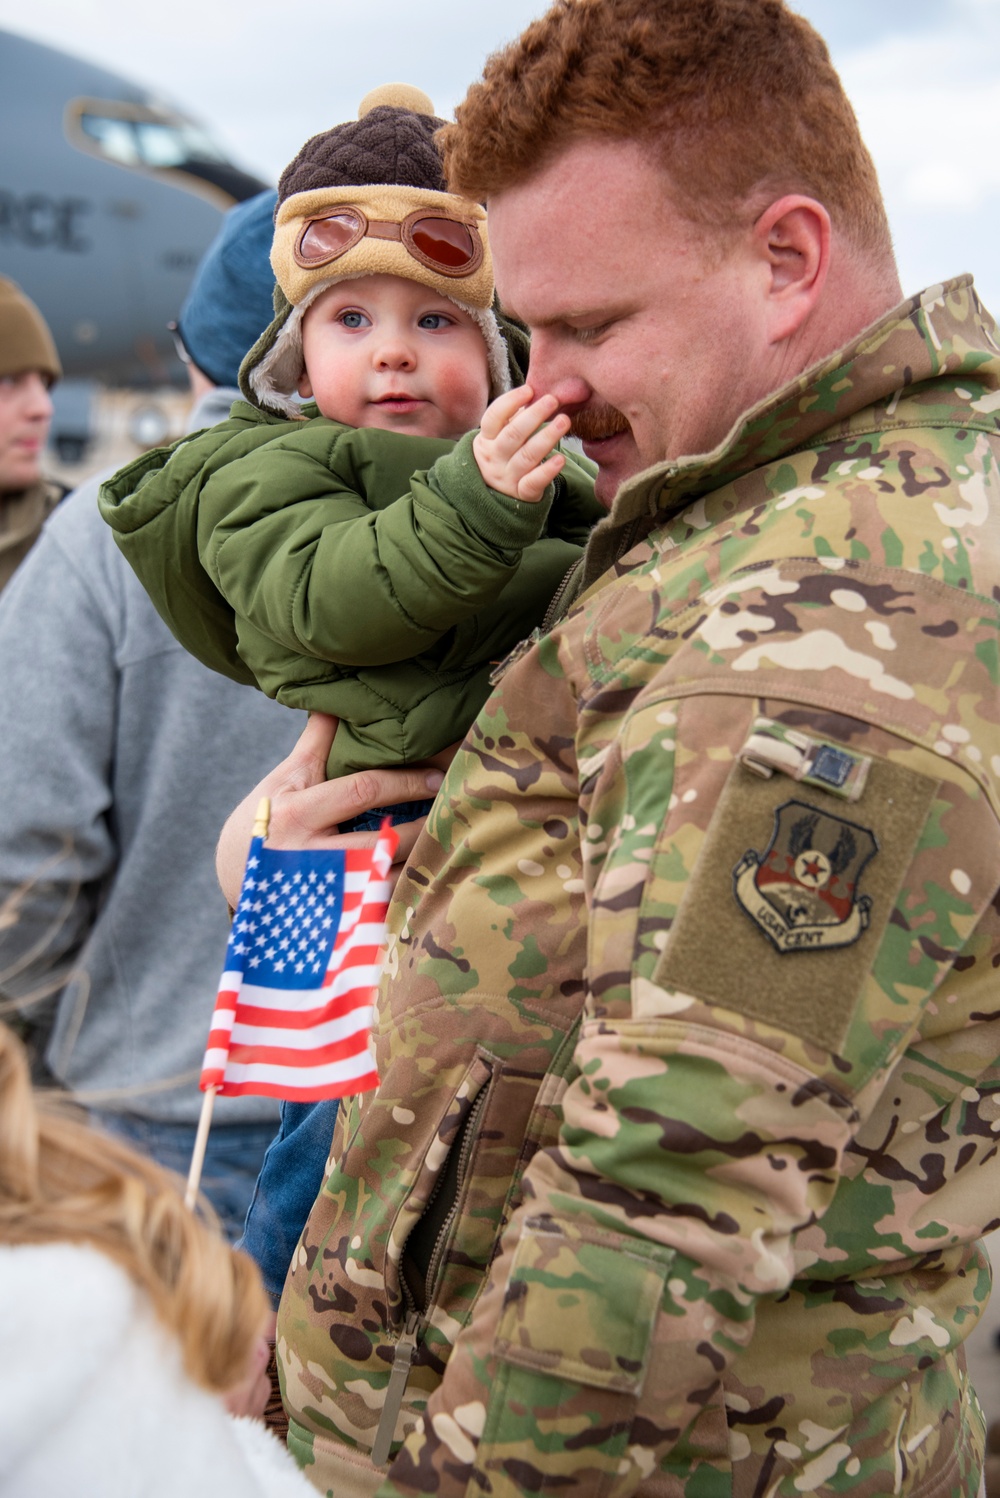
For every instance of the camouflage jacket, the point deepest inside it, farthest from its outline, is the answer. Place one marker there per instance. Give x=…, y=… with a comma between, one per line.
x=687, y=1126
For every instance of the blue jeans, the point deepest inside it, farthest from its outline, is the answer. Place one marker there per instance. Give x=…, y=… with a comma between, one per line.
x=294, y=1169
x=400, y=811
x=232, y=1160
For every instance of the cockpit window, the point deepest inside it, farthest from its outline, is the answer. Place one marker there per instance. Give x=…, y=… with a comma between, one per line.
x=149, y=138
x=155, y=143
x=173, y=145
x=116, y=138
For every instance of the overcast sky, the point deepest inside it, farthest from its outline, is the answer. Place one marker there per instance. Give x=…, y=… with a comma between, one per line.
x=923, y=75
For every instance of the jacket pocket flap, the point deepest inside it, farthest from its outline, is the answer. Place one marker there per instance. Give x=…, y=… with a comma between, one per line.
x=582, y=1305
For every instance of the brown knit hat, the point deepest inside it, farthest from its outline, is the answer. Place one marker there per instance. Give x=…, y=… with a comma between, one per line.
x=384, y=171
x=25, y=341
x=390, y=142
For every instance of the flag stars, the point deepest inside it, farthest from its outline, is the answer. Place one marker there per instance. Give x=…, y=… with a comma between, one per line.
x=290, y=916
x=293, y=925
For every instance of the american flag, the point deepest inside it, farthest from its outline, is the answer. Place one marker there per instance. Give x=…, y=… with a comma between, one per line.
x=294, y=1011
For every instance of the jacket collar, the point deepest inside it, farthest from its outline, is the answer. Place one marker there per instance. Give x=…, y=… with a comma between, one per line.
x=944, y=330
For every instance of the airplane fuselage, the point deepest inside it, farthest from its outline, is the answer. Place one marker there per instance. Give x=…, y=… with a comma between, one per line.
x=108, y=199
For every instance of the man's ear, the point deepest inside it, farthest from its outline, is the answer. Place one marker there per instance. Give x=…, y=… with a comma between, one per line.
x=304, y=387
x=792, y=237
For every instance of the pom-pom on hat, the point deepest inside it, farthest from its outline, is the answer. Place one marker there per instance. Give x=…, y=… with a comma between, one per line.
x=368, y=198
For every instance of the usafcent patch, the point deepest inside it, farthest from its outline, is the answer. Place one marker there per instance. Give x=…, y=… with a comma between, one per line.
x=786, y=907
x=802, y=891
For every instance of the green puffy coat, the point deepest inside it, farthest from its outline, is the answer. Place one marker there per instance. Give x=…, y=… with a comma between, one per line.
x=356, y=572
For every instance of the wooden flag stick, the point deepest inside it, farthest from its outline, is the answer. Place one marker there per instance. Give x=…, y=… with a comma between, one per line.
x=260, y=826
x=200, y=1145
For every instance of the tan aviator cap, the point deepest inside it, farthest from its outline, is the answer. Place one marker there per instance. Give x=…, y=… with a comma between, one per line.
x=374, y=254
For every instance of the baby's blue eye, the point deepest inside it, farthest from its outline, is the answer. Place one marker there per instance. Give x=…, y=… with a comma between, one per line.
x=434, y=320
x=353, y=319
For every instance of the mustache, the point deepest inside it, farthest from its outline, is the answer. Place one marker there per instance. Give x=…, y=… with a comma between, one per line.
x=599, y=420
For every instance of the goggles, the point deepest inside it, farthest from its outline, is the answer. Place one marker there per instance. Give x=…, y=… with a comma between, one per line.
x=449, y=246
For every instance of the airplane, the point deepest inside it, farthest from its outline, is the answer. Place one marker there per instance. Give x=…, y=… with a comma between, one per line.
x=108, y=198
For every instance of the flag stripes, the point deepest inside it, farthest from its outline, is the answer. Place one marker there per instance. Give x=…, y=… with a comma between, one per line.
x=294, y=1009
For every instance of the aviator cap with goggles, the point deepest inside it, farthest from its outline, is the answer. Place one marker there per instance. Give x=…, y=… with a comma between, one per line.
x=450, y=246
x=368, y=198
x=435, y=238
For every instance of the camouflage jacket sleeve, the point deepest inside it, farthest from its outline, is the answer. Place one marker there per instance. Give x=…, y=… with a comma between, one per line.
x=789, y=831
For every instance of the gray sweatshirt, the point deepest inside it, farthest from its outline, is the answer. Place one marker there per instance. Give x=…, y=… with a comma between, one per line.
x=120, y=758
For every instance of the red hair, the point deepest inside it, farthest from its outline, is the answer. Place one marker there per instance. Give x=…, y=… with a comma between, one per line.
x=737, y=98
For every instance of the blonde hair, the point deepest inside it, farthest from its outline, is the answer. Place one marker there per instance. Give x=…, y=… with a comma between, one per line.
x=62, y=1181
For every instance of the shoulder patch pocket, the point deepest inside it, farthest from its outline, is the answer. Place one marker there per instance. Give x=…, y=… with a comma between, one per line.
x=583, y=1307
x=785, y=911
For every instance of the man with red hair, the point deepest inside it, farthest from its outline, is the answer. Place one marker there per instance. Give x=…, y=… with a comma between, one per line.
x=687, y=1128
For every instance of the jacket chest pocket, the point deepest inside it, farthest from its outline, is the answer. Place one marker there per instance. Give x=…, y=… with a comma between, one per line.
x=446, y=1232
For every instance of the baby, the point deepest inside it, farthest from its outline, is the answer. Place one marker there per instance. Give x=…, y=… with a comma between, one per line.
x=369, y=554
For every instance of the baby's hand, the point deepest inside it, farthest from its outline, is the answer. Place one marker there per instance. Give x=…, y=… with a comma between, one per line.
x=513, y=446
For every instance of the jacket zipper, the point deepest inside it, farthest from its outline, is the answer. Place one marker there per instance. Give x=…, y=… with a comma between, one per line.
x=500, y=668
x=552, y=612
x=468, y=1134
x=402, y=1358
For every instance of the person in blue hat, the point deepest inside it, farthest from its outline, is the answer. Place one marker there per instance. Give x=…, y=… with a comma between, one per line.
x=230, y=299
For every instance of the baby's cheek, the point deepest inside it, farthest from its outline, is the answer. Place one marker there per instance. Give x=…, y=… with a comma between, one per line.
x=465, y=389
